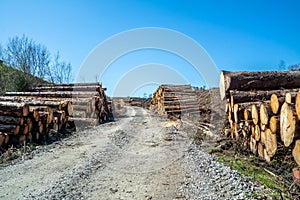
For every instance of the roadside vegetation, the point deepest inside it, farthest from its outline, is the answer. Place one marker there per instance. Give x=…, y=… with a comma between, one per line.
x=25, y=63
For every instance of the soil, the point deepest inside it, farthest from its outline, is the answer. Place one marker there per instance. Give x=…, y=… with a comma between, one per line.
x=139, y=156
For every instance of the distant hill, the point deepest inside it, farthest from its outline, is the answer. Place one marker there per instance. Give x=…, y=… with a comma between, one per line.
x=14, y=80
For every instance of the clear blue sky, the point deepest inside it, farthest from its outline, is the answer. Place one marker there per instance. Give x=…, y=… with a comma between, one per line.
x=237, y=34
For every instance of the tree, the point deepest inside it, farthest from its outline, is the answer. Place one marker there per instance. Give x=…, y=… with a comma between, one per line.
x=281, y=65
x=1, y=52
x=32, y=58
x=27, y=56
x=59, y=71
x=294, y=67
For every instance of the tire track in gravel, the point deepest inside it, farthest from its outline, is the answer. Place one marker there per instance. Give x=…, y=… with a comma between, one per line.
x=132, y=158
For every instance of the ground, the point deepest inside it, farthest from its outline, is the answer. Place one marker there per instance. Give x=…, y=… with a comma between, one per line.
x=139, y=156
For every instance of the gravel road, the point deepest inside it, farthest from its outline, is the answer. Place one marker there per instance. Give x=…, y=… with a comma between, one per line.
x=139, y=156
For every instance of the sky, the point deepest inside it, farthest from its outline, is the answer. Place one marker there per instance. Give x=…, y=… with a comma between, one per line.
x=235, y=35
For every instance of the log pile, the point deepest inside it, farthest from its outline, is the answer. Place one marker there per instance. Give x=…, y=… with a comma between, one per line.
x=174, y=101
x=30, y=116
x=264, y=109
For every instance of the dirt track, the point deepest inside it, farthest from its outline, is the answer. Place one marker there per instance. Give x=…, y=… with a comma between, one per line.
x=136, y=157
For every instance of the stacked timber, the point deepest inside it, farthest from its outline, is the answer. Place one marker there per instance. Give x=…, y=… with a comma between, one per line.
x=30, y=116
x=263, y=108
x=174, y=101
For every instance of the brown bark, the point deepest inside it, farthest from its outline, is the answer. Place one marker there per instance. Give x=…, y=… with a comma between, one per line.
x=14, y=109
x=8, y=128
x=67, y=88
x=245, y=81
x=11, y=120
x=65, y=94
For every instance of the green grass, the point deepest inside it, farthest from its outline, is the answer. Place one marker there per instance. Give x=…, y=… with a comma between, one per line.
x=248, y=166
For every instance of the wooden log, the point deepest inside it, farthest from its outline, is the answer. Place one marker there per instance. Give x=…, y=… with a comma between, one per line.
x=238, y=113
x=260, y=149
x=287, y=124
x=254, y=114
x=65, y=94
x=72, y=84
x=250, y=96
x=253, y=145
x=256, y=135
x=297, y=104
x=14, y=109
x=245, y=81
x=11, y=120
x=67, y=88
x=2, y=139
x=247, y=114
x=273, y=124
x=288, y=97
x=263, y=137
x=8, y=128
x=270, y=143
x=276, y=103
x=264, y=112
x=266, y=156
x=296, y=152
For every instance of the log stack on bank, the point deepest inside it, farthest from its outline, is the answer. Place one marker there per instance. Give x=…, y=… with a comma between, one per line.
x=30, y=116
x=175, y=101
x=264, y=109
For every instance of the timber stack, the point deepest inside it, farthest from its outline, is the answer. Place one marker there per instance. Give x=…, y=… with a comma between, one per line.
x=31, y=116
x=173, y=101
x=263, y=110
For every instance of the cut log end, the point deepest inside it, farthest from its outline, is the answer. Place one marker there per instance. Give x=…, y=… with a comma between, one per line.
x=287, y=124
x=296, y=152
x=297, y=104
x=274, y=103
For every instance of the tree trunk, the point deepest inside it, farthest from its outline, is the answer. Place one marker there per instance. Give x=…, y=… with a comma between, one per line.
x=14, y=109
x=11, y=120
x=246, y=81
x=58, y=94
x=8, y=128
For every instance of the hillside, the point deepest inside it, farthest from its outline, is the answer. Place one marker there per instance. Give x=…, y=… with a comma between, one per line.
x=12, y=79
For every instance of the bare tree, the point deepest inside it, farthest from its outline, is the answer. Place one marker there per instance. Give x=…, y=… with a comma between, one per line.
x=281, y=65
x=27, y=56
x=294, y=67
x=32, y=58
x=60, y=72
x=1, y=52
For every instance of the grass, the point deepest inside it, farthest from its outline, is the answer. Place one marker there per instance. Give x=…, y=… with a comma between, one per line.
x=250, y=167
